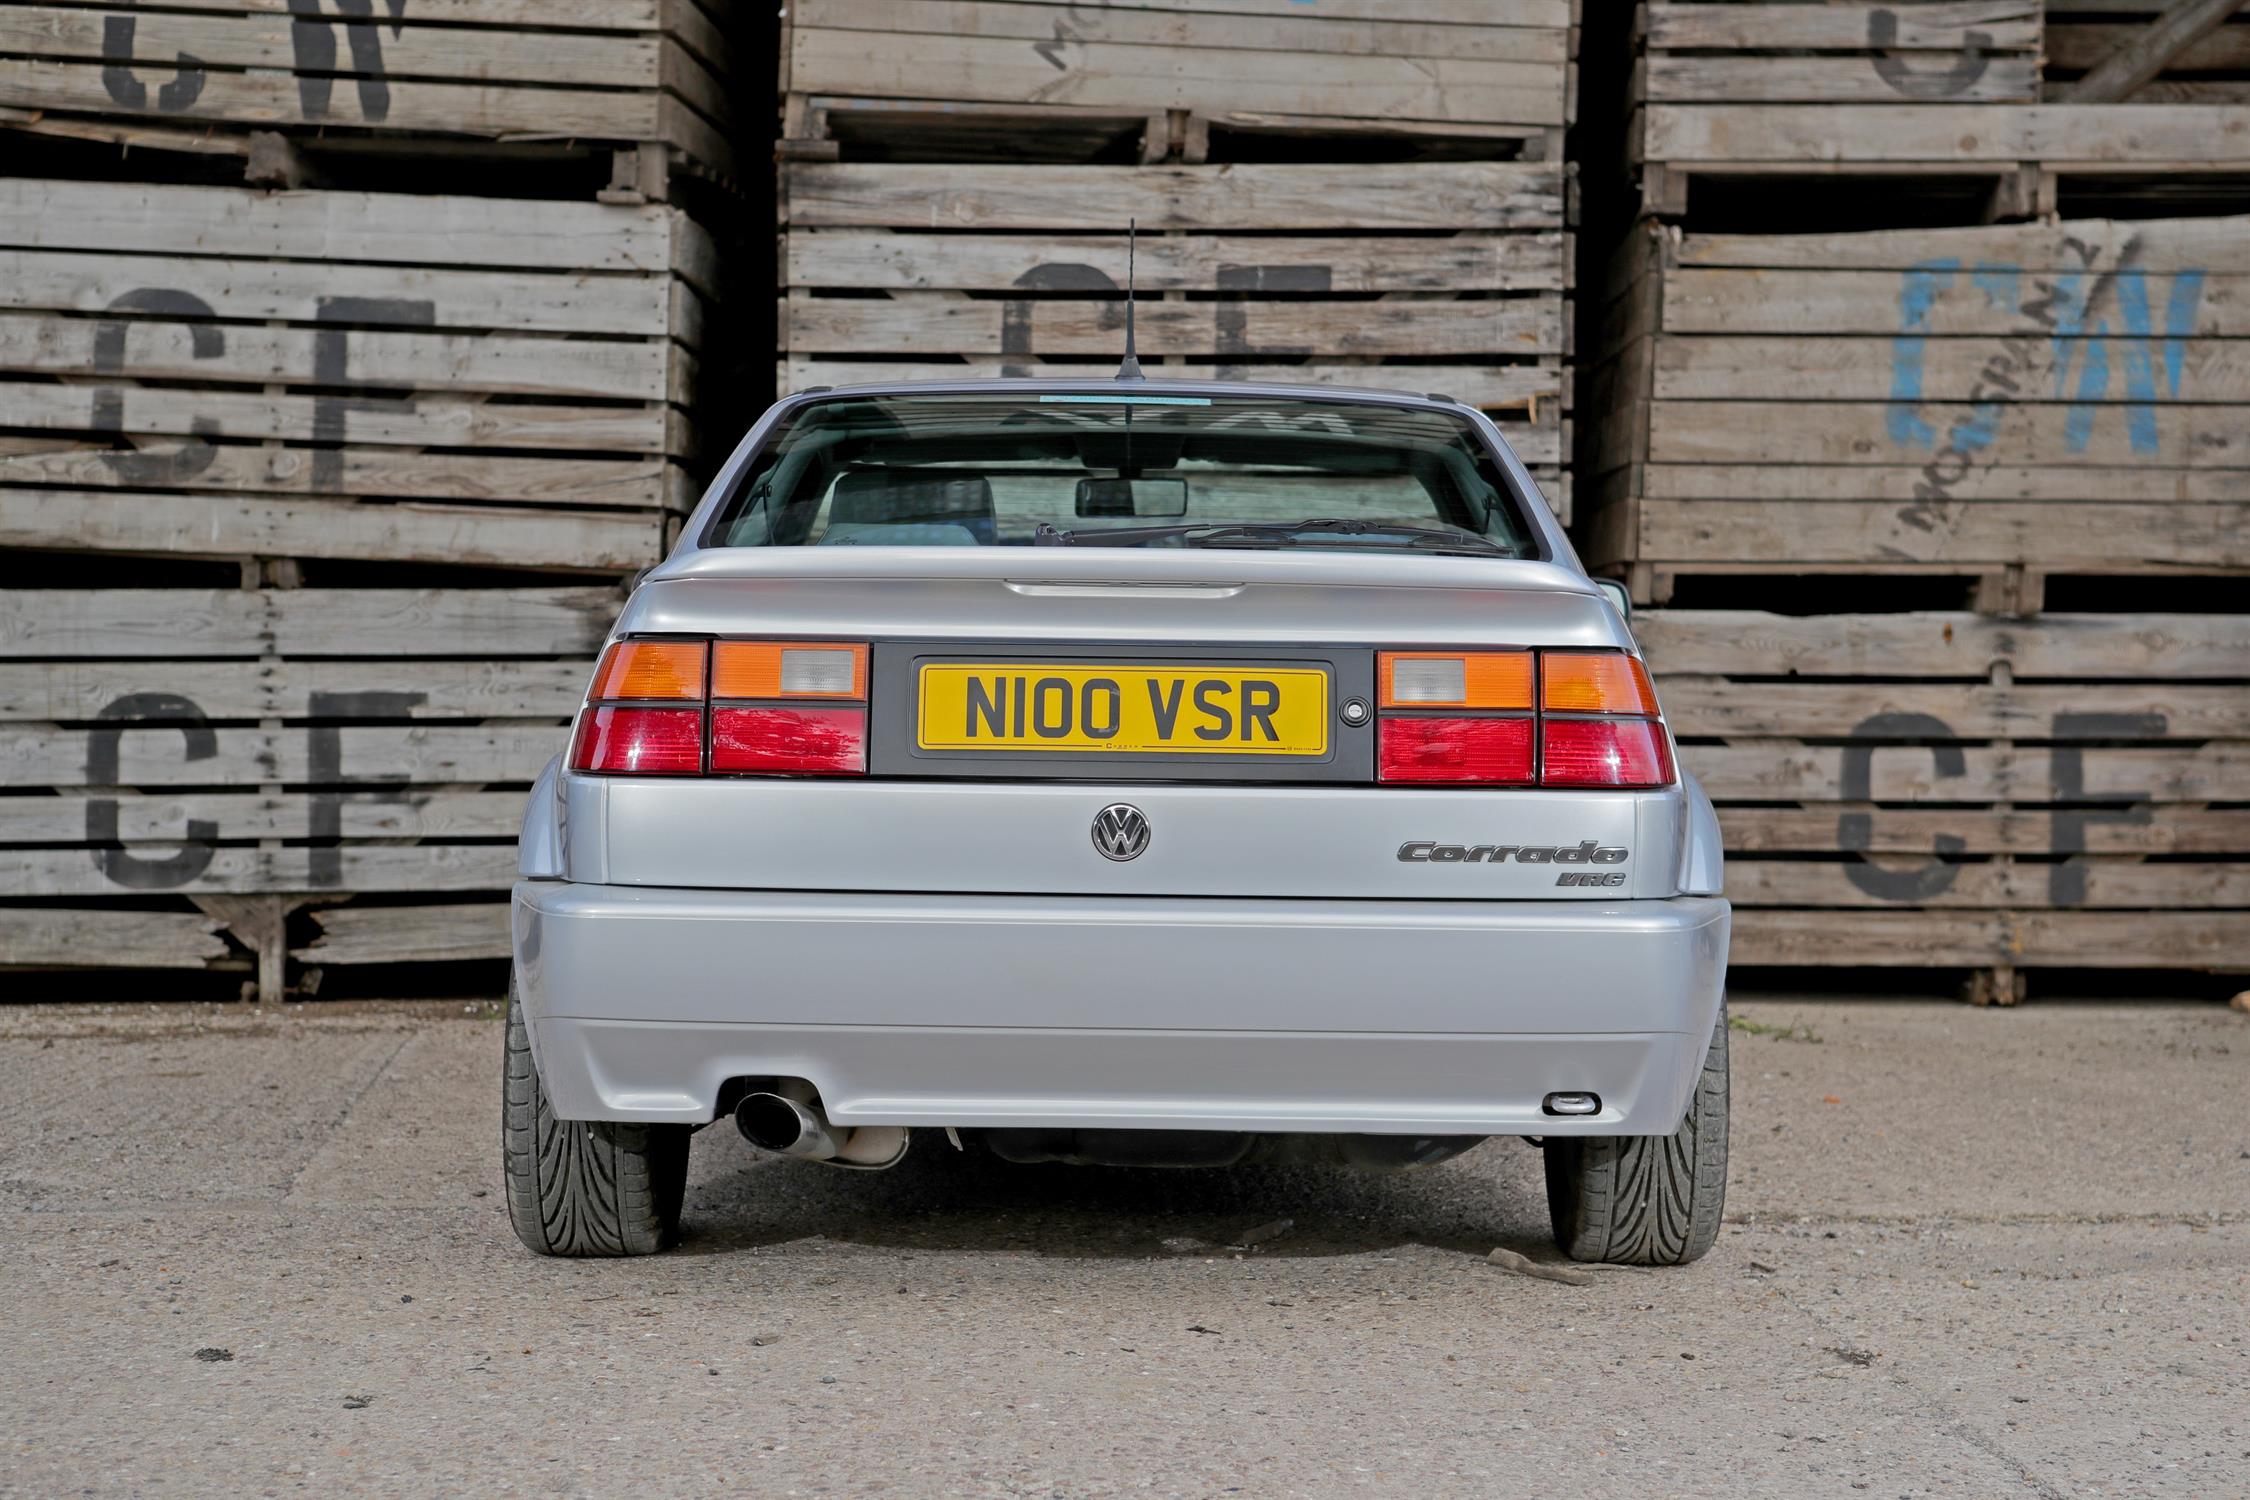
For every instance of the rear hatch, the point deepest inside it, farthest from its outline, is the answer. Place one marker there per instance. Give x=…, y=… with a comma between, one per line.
x=1231, y=701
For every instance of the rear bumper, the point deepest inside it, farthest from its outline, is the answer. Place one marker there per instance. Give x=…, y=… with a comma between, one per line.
x=1389, y=1017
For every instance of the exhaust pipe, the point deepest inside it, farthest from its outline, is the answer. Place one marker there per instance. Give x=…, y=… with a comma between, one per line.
x=798, y=1127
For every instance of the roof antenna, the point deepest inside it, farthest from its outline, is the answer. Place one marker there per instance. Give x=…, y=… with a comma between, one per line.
x=1131, y=369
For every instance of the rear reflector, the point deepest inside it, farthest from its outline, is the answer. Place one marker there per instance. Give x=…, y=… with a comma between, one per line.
x=785, y=741
x=775, y=669
x=1436, y=679
x=651, y=669
x=1491, y=751
x=1595, y=682
x=639, y=741
x=1603, y=752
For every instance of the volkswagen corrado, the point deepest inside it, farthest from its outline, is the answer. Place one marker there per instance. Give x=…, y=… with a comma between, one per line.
x=1120, y=771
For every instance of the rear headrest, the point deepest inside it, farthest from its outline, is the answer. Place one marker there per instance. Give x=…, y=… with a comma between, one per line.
x=875, y=497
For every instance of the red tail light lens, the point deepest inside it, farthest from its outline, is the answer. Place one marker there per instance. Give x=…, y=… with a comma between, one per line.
x=1604, y=752
x=639, y=742
x=1487, y=751
x=790, y=741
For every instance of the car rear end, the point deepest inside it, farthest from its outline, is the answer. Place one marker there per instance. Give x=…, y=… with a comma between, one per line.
x=1258, y=840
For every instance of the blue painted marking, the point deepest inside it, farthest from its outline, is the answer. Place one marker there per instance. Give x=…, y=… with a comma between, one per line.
x=1918, y=290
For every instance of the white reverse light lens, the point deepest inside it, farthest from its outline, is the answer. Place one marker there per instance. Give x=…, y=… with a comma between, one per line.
x=1428, y=680
x=817, y=671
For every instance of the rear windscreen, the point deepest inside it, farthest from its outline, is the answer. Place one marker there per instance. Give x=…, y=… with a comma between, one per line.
x=1113, y=470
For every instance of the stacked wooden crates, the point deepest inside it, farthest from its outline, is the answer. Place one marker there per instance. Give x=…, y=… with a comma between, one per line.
x=315, y=503
x=1946, y=499
x=1360, y=193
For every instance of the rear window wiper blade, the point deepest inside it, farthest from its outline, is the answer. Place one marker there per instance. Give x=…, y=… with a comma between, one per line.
x=1223, y=533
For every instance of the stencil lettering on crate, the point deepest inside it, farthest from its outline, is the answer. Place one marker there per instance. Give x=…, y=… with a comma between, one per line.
x=173, y=711
x=312, y=41
x=1230, y=317
x=2066, y=880
x=1958, y=78
x=2077, y=332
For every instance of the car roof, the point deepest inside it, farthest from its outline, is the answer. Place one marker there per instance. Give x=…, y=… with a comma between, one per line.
x=1095, y=384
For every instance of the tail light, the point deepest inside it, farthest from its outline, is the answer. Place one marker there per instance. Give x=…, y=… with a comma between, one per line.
x=694, y=708
x=1520, y=718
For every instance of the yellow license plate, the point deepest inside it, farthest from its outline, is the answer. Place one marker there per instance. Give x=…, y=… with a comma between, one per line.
x=1182, y=710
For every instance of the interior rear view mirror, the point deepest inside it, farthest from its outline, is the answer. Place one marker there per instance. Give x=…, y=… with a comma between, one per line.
x=1132, y=497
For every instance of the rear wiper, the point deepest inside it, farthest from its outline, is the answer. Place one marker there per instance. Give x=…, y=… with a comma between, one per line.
x=1212, y=533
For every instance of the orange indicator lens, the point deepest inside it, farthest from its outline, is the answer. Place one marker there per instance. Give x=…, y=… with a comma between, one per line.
x=651, y=669
x=1596, y=682
x=778, y=669
x=1452, y=679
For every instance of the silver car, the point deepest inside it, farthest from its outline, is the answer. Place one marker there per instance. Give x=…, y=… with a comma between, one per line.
x=1120, y=771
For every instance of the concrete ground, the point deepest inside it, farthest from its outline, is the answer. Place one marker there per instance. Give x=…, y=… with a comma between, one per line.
x=1976, y=1253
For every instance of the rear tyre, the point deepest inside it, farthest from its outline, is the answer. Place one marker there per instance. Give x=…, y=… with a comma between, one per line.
x=584, y=1187
x=1646, y=1200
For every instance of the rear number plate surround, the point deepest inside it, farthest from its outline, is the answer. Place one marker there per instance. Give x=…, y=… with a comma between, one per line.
x=897, y=695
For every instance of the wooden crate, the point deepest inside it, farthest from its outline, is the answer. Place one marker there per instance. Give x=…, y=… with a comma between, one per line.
x=1947, y=95
x=1861, y=51
x=353, y=405
x=206, y=75
x=1448, y=276
x=2213, y=69
x=1438, y=62
x=210, y=372
x=2003, y=402
x=250, y=751
x=1937, y=790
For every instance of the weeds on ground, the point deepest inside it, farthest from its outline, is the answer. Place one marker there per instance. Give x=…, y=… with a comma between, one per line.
x=1767, y=1028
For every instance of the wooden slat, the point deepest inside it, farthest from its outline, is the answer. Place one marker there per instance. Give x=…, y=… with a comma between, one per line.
x=407, y=934
x=1535, y=260
x=2173, y=647
x=1713, y=707
x=1298, y=29
x=1267, y=195
x=164, y=349
x=1949, y=369
x=1811, y=482
x=577, y=15
x=136, y=819
x=220, y=690
x=1526, y=326
x=2092, y=883
x=1787, y=772
x=409, y=49
x=1069, y=70
x=249, y=525
x=44, y=214
x=1547, y=13
x=640, y=303
x=1916, y=831
x=411, y=867
x=105, y=623
x=1830, y=80
x=2005, y=25
x=2076, y=48
x=1922, y=939
x=49, y=937
x=1870, y=302
x=2209, y=138
x=386, y=473
x=425, y=421
x=2155, y=245
x=2089, y=536
x=1821, y=432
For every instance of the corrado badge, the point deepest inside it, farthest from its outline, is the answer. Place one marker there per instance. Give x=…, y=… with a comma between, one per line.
x=1429, y=852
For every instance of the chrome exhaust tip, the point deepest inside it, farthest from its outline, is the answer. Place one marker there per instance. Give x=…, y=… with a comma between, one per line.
x=1571, y=1104
x=795, y=1127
